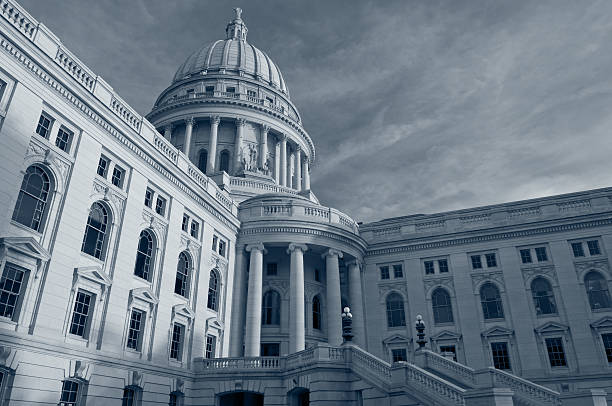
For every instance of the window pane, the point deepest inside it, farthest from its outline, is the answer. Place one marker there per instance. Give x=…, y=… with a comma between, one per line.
x=211, y=342
x=491, y=302
x=177, y=341
x=10, y=288
x=384, y=272
x=607, y=342
x=556, y=355
x=543, y=297
x=316, y=313
x=95, y=232
x=135, y=329
x=491, y=260
x=148, y=198
x=501, y=358
x=397, y=271
x=593, y=247
x=526, y=256
x=395, y=311
x=213, y=294
x=102, y=166
x=399, y=355
x=62, y=141
x=32, y=199
x=442, y=308
x=541, y=254
x=144, y=255
x=476, y=263
x=80, y=314
x=44, y=125
x=70, y=391
x=271, y=308
x=577, y=249
x=128, y=398
x=117, y=178
x=443, y=265
x=181, y=284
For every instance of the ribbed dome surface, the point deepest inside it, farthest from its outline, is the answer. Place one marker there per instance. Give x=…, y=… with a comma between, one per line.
x=233, y=56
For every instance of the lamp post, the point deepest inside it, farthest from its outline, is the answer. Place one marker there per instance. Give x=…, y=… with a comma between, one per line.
x=347, y=325
x=420, y=328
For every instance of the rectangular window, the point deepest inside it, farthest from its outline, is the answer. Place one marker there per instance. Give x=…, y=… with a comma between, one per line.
x=62, y=141
x=491, y=260
x=117, y=178
x=160, y=206
x=271, y=269
x=230, y=89
x=44, y=125
x=526, y=256
x=209, y=89
x=185, y=223
x=476, y=262
x=397, y=271
x=176, y=345
x=501, y=358
x=251, y=93
x=443, y=265
x=607, y=342
x=556, y=355
x=135, y=330
x=222, y=245
x=577, y=249
x=384, y=272
x=79, y=324
x=270, y=349
x=399, y=354
x=11, y=286
x=541, y=254
x=594, y=247
x=149, y=198
x=195, y=229
x=429, y=267
x=103, y=166
x=70, y=393
x=211, y=343
x=214, y=243
x=449, y=349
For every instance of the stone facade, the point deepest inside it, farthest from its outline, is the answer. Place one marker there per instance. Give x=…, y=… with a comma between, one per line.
x=182, y=258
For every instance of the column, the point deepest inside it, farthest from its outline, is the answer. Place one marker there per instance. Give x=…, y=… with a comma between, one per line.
x=283, y=160
x=188, y=129
x=356, y=302
x=297, y=328
x=212, y=146
x=298, y=168
x=291, y=170
x=253, y=309
x=306, y=174
x=263, y=146
x=168, y=132
x=277, y=151
x=334, y=305
x=238, y=301
x=240, y=122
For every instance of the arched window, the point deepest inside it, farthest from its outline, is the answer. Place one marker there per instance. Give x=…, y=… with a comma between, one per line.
x=491, y=302
x=31, y=206
x=316, y=313
x=203, y=160
x=597, y=291
x=224, y=159
x=183, y=269
x=543, y=297
x=395, y=311
x=144, y=255
x=94, y=240
x=213, y=290
x=271, y=308
x=442, y=307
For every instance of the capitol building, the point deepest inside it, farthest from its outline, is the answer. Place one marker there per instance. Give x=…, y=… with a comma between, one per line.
x=181, y=258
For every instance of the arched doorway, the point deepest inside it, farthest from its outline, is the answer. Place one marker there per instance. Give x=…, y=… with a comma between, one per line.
x=241, y=399
x=299, y=397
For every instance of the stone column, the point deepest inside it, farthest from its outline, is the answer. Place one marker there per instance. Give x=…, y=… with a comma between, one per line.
x=334, y=305
x=253, y=316
x=238, y=301
x=297, y=333
x=291, y=170
x=240, y=122
x=277, y=150
x=356, y=302
x=168, y=132
x=212, y=147
x=306, y=174
x=298, y=168
x=263, y=146
x=283, y=160
x=188, y=129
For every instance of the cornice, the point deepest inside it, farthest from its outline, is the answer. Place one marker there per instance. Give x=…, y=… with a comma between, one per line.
x=46, y=78
x=489, y=237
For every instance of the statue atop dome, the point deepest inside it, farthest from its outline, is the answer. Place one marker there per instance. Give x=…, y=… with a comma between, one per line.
x=236, y=29
x=238, y=12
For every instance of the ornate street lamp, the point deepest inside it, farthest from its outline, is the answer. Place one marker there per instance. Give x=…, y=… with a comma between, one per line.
x=347, y=325
x=420, y=328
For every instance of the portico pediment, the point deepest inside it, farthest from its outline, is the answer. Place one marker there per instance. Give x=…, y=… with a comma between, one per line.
x=144, y=294
x=497, y=331
x=183, y=310
x=93, y=274
x=214, y=323
x=551, y=327
x=396, y=339
x=603, y=323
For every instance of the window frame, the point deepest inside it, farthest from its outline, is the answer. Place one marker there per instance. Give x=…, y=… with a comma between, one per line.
x=48, y=130
x=271, y=314
x=486, y=314
x=68, y=143
x=89, y=321
x=47, y=203
x=401, y=322
x=436, y=307
x=107, y=231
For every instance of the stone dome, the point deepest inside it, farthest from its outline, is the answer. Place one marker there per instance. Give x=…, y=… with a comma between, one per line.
x=233, y=55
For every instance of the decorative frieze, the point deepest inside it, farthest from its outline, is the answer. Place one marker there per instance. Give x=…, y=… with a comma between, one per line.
x=524, y=213
x=101, y=190
x=157, y=224
x=529, y=273
x=574, y=206
x=476, y=219
x=601, y=265
x=39, y=151
x=446, y=281
x=430, y=225
x=18, y=18
x=385, y=288
x=478, y=278
x=380, y=232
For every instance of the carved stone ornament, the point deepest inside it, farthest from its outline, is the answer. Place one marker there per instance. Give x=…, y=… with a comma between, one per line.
x=446, y=281
x=280, y=286
x=313, y=289
x=530, y=273
x=384, y=289
x=598, y=265
x=149, y=220
x=101, y=191
x=478, y=278
x=192, y=247
x=39, y=152
x=217, y=262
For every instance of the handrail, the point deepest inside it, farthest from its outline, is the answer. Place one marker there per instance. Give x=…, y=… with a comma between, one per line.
x=431, y=384
x=449, y=367
x=526, y=389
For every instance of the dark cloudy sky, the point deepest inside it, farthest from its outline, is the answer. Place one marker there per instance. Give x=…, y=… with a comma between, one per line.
x=414, y=106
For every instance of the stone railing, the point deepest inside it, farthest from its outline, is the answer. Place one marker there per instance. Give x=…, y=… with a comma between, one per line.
x=167, y=149
x=524, y=389
x=198, y=176
x=301, y=359
x=75, y=69
x=261, y=185
x=450, y=368
x=317, y=212
x=233, y=364
x=19, y=18
x=126, y=113
x=370, y=364
x=432, y=385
